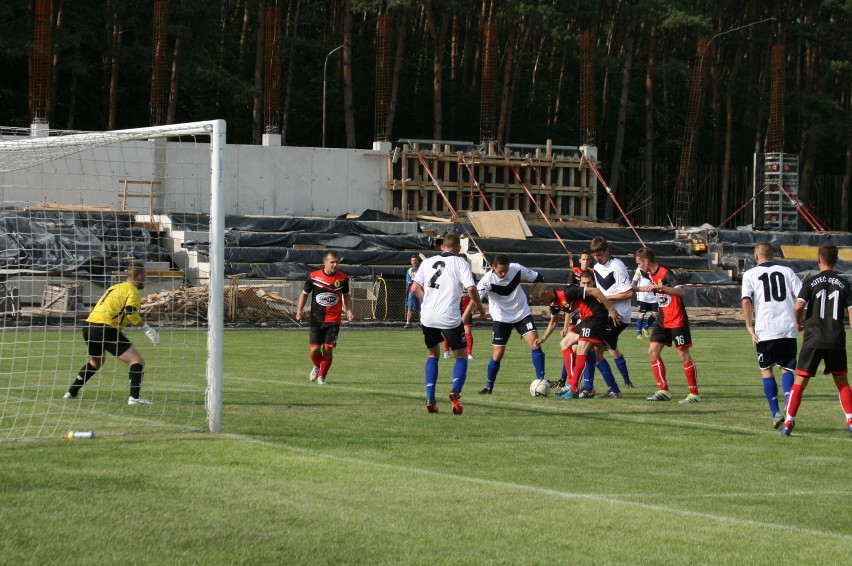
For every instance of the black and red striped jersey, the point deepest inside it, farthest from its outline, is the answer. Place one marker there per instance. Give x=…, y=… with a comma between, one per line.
x=672, y=311
x=573, y=298
x=328, y=292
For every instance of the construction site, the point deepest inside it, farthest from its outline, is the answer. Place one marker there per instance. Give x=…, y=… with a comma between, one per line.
x=538, y=203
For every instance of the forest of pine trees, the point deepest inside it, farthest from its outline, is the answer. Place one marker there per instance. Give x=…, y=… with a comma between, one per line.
x=645, y=55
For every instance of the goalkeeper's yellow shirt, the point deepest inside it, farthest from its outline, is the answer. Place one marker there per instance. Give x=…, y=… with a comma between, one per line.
x=118, y=306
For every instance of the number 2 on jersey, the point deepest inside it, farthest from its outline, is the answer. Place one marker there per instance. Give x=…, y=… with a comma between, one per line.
x=439, y=269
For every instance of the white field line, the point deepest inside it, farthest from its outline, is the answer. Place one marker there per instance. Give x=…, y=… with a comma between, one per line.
x=610, y=499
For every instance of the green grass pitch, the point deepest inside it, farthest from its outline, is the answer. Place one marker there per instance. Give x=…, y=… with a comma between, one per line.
x=356, y=472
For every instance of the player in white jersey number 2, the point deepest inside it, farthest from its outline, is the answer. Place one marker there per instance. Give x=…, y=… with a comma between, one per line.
x=439, y=284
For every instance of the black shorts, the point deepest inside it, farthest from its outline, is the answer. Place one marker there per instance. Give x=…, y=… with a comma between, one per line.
x=780, y=352
x=455, y=336
x=101, y=338
x=680, y=336
x=809, y=359
x=325, y=334
x=502, y=331
x=610, y=337
x=647, y=307
x=591, y=329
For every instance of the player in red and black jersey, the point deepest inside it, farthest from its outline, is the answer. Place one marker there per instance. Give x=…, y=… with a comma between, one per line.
x=671, y=326
x=594, y=309
x=584, y=263
x=330, y=290
x=819, y=311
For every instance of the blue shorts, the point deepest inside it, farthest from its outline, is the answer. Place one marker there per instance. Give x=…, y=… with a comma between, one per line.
x=412, y=303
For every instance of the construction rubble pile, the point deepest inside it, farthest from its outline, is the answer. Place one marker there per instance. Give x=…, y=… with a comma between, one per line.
x=188, y=305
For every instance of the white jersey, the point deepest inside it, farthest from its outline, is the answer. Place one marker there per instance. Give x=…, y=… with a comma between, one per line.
x=641, y=279
x=444, y=278
x=612, y=278
x=772, y=290
x=507, y=301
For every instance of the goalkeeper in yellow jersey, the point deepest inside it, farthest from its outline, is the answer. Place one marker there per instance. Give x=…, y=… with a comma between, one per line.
x=118, y=307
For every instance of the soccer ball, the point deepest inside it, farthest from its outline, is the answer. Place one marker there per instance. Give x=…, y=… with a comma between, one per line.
x=539, y=388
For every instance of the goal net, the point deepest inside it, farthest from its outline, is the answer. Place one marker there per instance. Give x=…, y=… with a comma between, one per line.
x=77, y=210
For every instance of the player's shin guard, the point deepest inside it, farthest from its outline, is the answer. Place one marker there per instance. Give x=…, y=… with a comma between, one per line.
x=639, y=325
x=431, y=378
x=770, y=389
x=579, y=366
x=794, y=401
x=538, y=362
x=659, y=370
x=845, y=397
x=589, y=371
x=787, y=379
x=491, y=372
x=324, y=366
x=459, y=374
x=691, y=374
x=606, y=372
x=568, y=362
x=86, y=373
x=469, y=339
x=621, y=364
x=609, y=379
x=136, y=372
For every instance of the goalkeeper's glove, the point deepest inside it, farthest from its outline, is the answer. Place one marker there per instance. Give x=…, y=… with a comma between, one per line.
x=151, y=334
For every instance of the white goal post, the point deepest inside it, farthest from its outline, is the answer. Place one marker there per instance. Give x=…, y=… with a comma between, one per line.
x=76, y=210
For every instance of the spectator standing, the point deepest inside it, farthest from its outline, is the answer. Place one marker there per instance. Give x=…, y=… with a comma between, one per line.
x=412, y=303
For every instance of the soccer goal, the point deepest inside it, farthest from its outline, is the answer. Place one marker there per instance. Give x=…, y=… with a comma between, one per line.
x=78, y=209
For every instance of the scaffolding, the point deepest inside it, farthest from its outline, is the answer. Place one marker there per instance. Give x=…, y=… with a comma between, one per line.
x=776, y=181
x=436, y=177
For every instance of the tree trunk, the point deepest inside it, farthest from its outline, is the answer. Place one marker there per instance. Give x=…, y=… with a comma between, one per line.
x=72, y=89
x=259, y=66
x=553, y=119
x=115, y=42
x=647, y=204
x=438, y=35
x=54, y=72
x=348, y=96
x=806, y=171
x=844, y=187
x=726, y=163
x=623, y=100
x=397, y=70
x=171, y=112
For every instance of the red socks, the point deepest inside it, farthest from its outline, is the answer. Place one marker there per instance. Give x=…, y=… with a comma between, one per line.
x=659, y=369
x=691, y=376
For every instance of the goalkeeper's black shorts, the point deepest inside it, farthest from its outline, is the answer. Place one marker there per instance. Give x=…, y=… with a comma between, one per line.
x=102, y=338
